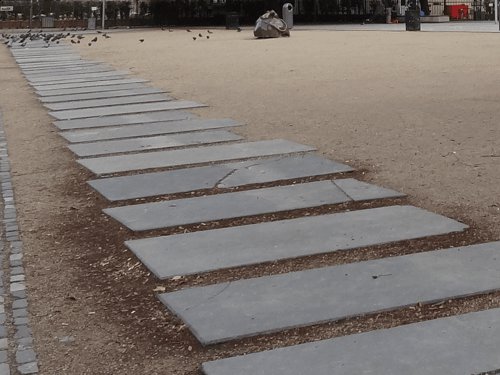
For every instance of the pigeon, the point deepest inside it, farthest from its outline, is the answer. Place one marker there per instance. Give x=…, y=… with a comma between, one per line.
x=208, y=31
x=80, y=36
x=239, y=29
x=194, y=38
x=141, y=40
x=99, y=31
x=208, y=37
x=106, y=36
x=78, y=41
x=201, y=36
x=188, y=30
x=90, y=44
x=72, y=41
x=94, y=40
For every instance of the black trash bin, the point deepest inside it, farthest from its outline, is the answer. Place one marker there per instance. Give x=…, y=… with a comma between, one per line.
x=412, y=20
x=232, y=21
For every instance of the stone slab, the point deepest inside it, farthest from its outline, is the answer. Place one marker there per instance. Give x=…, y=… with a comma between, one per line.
x=221, y=175
x=132, y=119
x=151, y=143
x=124, y=109
x=146, y=129
x=244, y=308
x=62, y=86
x=178, y=212
x=62, y=64
x=100, y=95
x=75, y=70
x=47, y=59
x=197, y=252
x=177, y=158
x=459, y=345
x=73, y=77
x=150, y=98
x=97, y=80
x=89, y=89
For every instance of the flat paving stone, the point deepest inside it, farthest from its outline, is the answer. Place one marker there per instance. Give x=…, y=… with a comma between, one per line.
x=124, y=109
x=55, y=78
x=66, y=71
x=131, y=119
x=104, y=102
x=100, y=95
x=197, y=252
x=151, y=143
x=47, y=59
x=62, y=86
x=244, y=308
x=89, y=89
x=146, y=129
x=62, y=64
x=75, y=81
x=459, y=345
x=177, y=158
x=233, y=205
x=221, y=175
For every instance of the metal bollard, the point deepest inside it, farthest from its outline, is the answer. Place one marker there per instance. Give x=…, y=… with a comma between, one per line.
x=287, y=14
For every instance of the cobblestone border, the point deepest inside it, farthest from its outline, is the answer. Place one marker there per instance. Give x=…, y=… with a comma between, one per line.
x=16, y=339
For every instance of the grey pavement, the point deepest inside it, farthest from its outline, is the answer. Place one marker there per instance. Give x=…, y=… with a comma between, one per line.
x=63, y=76
x=54, y=88
x=124, y=109
x=221, y=175
x=103, y=102
x=89, y=89
x=83, y=80
x=100, y=95
x=152, y=143
x=243, y=308
x=73, y=70
x=239, y=204
x=145, y=129
x=197, y=252
x=130, y=119
x=178, y=158
x=459, y=345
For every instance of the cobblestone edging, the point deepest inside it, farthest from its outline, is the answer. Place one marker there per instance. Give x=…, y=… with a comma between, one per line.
x=17, y=355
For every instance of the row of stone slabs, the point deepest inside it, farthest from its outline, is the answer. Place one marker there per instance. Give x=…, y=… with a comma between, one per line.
x=218, y=249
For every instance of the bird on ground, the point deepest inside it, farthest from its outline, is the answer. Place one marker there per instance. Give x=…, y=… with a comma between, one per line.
x=188, y=30
x=106, y=36
x=141, y=40
x=210, y=32
x=194, y=38
x=90, y=44
x=80, y=36
x=208, y=37
x=78, y=41
x=239, y=29
x=94, y=40
x=99, y=31
x=201, y=36
x=72, y=41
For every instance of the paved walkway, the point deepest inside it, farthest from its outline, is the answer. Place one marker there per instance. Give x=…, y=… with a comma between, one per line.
x=144, y=124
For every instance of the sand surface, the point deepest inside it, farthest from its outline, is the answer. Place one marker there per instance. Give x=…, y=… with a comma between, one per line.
x=419, y=111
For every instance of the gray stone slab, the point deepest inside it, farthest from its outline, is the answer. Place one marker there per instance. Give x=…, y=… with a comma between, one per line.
x=124, y=109
x=221, y=175
x=47, y=59
x=459, y=345
x=84, y=90
x=191, y=253
x=146, y=129
x=244, y=308
x=56, y=79
x=62, y=86
x=62, y=64
x=97, y=80
x=150, y=98
x=139, y=118
x=177, y=158
x=151, y=143
x=74, y=70
x=228, y=206
x=100, y=95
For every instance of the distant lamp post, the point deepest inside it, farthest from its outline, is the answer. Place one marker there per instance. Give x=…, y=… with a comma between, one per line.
x=103, y=16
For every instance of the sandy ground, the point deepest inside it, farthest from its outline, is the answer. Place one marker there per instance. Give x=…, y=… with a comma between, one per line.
x=416, y=112
x=419, y=111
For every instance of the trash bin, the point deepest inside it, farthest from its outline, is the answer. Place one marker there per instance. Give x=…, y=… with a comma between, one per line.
x=47, y=22
x=91, y=23
x=287, y=14
x=232, y=21
x=412, y=20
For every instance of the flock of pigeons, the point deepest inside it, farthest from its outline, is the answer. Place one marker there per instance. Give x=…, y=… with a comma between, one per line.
x=75, y=38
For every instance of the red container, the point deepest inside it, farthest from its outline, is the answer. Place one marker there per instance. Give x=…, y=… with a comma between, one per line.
x=458, y=12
